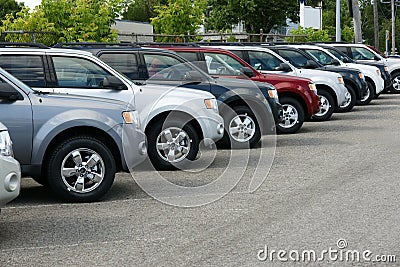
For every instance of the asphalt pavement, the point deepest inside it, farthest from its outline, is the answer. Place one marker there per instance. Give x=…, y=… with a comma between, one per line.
x=334, y=186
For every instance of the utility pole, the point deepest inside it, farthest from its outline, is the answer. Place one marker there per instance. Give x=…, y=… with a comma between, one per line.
x=357, y=21
x=393, y=27
x=338, y=31
x=376, y=24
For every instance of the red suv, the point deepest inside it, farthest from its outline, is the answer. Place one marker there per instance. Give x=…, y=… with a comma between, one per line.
x=298, y=96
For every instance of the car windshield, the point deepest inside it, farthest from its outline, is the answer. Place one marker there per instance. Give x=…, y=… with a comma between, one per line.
x=320, y=56
x=361, y=53
x=222, y=64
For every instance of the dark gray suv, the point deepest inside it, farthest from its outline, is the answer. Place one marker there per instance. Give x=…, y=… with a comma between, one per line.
x=73, y=144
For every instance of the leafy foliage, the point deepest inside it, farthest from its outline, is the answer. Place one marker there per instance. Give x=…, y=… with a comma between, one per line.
x=69, y=21
x=9, y=7
x=178, y=17
x=309, y=35
x=257, y=14
x=141, y=10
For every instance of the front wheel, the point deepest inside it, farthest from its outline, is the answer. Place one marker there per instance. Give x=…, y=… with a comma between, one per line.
x=350, y=100
x=241, y=128
x=171, y=142
x=395, y=88
x=327, y=106
x=293, y=116
x=80, y=169
x=368, y=96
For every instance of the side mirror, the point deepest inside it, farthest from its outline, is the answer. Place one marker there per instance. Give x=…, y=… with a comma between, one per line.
x=335, y=62
x=247, y=71
x=284, y=67
x=347, y=60
x=377, y=58
x=8, y=92
x=114, y=83
x=311, y=64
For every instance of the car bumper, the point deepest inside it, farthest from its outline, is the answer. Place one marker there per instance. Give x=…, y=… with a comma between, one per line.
x=341, y=94
x=212, y=126
x=10, y=179
x=388, y=79
x=132, y=145
x=277, y=110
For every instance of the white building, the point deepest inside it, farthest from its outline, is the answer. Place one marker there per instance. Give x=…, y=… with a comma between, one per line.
x=133, y=31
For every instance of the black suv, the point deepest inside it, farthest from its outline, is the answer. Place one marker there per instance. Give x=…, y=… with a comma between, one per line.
x=145, y=65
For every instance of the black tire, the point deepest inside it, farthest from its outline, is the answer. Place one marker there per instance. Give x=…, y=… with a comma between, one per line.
x=365, y=100
x=395, y=88
x=291, y=109
x=231, y=141
x=330, y=107
x=61, y=156
x=40, y=180
x=176, y=126
x=351, y=102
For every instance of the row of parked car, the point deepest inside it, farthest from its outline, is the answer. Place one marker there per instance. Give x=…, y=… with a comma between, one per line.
x=78, y=113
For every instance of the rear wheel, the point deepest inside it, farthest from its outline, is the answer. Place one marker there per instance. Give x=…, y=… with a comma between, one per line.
x=80, y=169
x=350, y=100
x=327, y=106
x=293, y=116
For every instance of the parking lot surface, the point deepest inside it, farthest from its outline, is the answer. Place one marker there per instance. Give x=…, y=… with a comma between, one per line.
x=334, y=180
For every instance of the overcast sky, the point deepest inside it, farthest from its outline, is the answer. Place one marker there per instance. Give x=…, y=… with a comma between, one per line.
x=31, y=3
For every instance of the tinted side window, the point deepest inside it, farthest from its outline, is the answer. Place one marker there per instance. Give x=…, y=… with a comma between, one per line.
x=263, y=61
x=294, y=57
x=78, y=73
x=126, y=63
x=342, y=49
x=163, y=67
x=192, y=57
x=28, y=69
x=238, y=53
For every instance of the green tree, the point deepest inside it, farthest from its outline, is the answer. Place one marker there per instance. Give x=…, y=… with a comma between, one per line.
x=179, y=17
x=257, y=14
x=141, y=10
x=9, y=7
x=308, y=35
x=69, y=20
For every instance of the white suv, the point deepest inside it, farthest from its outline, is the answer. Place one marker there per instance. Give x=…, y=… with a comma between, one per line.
x=10, y=172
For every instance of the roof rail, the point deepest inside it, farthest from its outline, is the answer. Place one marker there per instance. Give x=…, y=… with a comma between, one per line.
x=221, y=43
x=166, y=44
x=21, y=44
x=95, y=44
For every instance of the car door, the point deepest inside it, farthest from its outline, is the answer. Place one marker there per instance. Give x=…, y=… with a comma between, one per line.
x=16, y=115
x=82, y=76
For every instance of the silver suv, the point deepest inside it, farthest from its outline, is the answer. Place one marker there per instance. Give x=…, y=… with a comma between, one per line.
x=10, y=173
x=192, y=114
x=74, y=144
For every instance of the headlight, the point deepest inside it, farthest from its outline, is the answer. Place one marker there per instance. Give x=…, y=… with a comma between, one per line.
x=386, y=68
x=361, y=75
x=273, y=93
x=131, y=117
x=312, y=86
x=6, y=144
x=378, y=72
x=211, y=103
x=340, y=79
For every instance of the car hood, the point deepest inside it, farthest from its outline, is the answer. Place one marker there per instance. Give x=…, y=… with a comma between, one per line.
x=242, y=83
